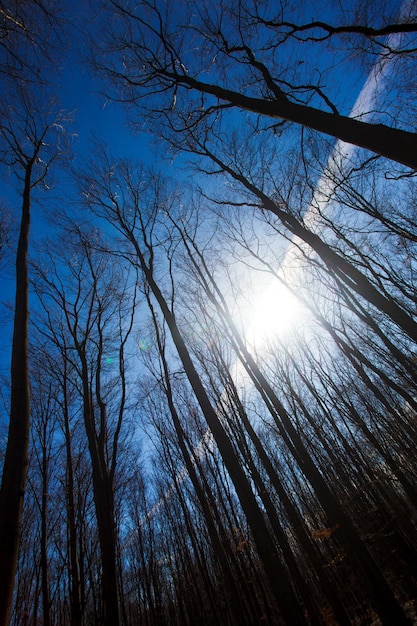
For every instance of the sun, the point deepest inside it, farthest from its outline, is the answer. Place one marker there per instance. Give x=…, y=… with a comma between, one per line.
x=274, y=314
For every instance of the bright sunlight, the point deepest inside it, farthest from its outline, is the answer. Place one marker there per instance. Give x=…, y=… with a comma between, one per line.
x=275, y=313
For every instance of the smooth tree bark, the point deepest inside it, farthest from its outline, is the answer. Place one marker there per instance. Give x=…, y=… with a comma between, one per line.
x=16, y=461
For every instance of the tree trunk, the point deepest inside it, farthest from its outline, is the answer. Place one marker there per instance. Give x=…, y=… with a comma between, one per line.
x=237, y=604
x=389, y=608
x=104, y=505
x=16, y=460
x=46, y=599
x=309, y=552
x=73, y=564
x=392, y=143
x=385, y=602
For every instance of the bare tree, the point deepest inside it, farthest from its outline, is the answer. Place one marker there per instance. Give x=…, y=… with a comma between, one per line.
x=32, y=139
x=191, y=461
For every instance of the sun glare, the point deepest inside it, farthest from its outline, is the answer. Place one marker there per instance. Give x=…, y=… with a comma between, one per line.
x=275, y=313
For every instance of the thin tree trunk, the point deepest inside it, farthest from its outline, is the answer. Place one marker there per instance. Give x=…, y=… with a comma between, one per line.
x=74, y=568
x=309, y=552
x=389, y=608
x=237, y=603
x=46, y=600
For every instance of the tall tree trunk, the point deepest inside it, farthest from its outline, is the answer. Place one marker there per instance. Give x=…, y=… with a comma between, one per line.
x=104, y=505
x=16, y=460
x=388, y=606
x=237, y=603
x=385, y=602
x=328, y=588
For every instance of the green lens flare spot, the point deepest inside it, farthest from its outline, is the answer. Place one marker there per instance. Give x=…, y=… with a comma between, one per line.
x=144, y=345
